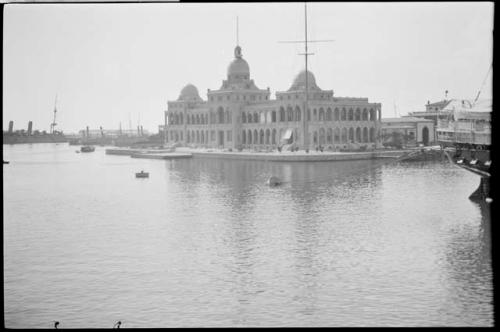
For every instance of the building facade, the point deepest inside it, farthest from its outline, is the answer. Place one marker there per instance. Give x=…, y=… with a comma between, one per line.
x=409, y=131
x=239, y=115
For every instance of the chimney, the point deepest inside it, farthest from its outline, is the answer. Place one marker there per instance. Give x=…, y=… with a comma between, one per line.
x=102, y=133
x=88, y=135
x=30, y=127
x=142, y=131
x=138, y=131
x=11, y=126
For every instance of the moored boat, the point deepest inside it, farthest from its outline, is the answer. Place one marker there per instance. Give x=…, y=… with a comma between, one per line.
x=87, y=148
x=142, y=174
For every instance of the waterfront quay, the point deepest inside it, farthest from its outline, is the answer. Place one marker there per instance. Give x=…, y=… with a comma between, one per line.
x=185, y=152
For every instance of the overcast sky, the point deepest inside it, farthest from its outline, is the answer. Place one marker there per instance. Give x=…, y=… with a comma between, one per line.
x=112, y=62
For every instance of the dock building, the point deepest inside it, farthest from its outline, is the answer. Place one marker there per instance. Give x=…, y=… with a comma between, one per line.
x=240, y=115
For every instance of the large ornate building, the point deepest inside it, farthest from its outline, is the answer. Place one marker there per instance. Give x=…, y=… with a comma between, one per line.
x=240, y=115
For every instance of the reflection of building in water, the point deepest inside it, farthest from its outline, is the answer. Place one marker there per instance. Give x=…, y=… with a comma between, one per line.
x=240, y=115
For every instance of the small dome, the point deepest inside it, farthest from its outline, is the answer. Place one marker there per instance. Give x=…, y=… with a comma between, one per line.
x=299, y=83
x=189, y=93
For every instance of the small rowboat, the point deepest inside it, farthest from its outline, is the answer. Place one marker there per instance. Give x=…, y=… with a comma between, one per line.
x=142, y=174
x=87, y=148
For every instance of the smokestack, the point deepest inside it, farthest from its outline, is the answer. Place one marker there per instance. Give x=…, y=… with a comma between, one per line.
x=102, y=132
x=30, y=127
x=11, y=126
x=142, y=131
x=88, y=135
x=138, y=131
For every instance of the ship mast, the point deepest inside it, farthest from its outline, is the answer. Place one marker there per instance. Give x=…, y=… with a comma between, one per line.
x=53, y=124
x=306, y=54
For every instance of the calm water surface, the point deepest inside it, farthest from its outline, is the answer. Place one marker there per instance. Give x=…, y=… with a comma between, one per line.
x=204, y=242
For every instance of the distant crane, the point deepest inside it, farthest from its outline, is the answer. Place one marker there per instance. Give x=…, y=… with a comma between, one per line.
x=54, y=124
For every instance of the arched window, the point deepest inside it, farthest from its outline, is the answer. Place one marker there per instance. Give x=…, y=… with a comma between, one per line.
x=202, y=137
x=228, y=118
x=261, y=140
x=336, y=136
x=365, y=114
x=365, y=135
x=282, y=114
x=297, y=113
x=262, y=117
x=358, y=134
x=373, y=115
x=255, y=117
x=322, y=136
x=329, y=114
x=336, y=115
x=315, y=115
x=329, y=135
x=273, y=116
x=351, y=135
x=358, y=114
x=268, y=136
x=220, y=115
x=273, y=141
x=372, y=135
x=197, y=136
x=197, y=119
x=344, y=135
x=255, y=137
x=321, y=115
x=289, y=113
x=315, y=138
x=351, y=115
x=243, y=117
x=250, y=137
x=243, y=137
x=344, y=115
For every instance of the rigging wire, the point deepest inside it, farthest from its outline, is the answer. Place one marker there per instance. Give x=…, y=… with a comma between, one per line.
x=482, y=85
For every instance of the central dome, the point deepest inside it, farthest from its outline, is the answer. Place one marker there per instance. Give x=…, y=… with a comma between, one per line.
x=238, y=66
x=299, y=83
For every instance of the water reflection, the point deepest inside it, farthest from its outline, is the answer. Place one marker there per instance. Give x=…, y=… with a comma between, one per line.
x=205, y=242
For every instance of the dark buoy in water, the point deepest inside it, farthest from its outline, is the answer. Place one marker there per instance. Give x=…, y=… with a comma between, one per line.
x=273, y=181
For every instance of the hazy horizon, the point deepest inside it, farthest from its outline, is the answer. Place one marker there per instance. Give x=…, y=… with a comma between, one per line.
x=109, y=63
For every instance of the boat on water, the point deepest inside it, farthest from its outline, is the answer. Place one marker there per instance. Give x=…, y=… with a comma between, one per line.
x=142, y=174
x=466, y=137
x=87, y=148
x=5, y=162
